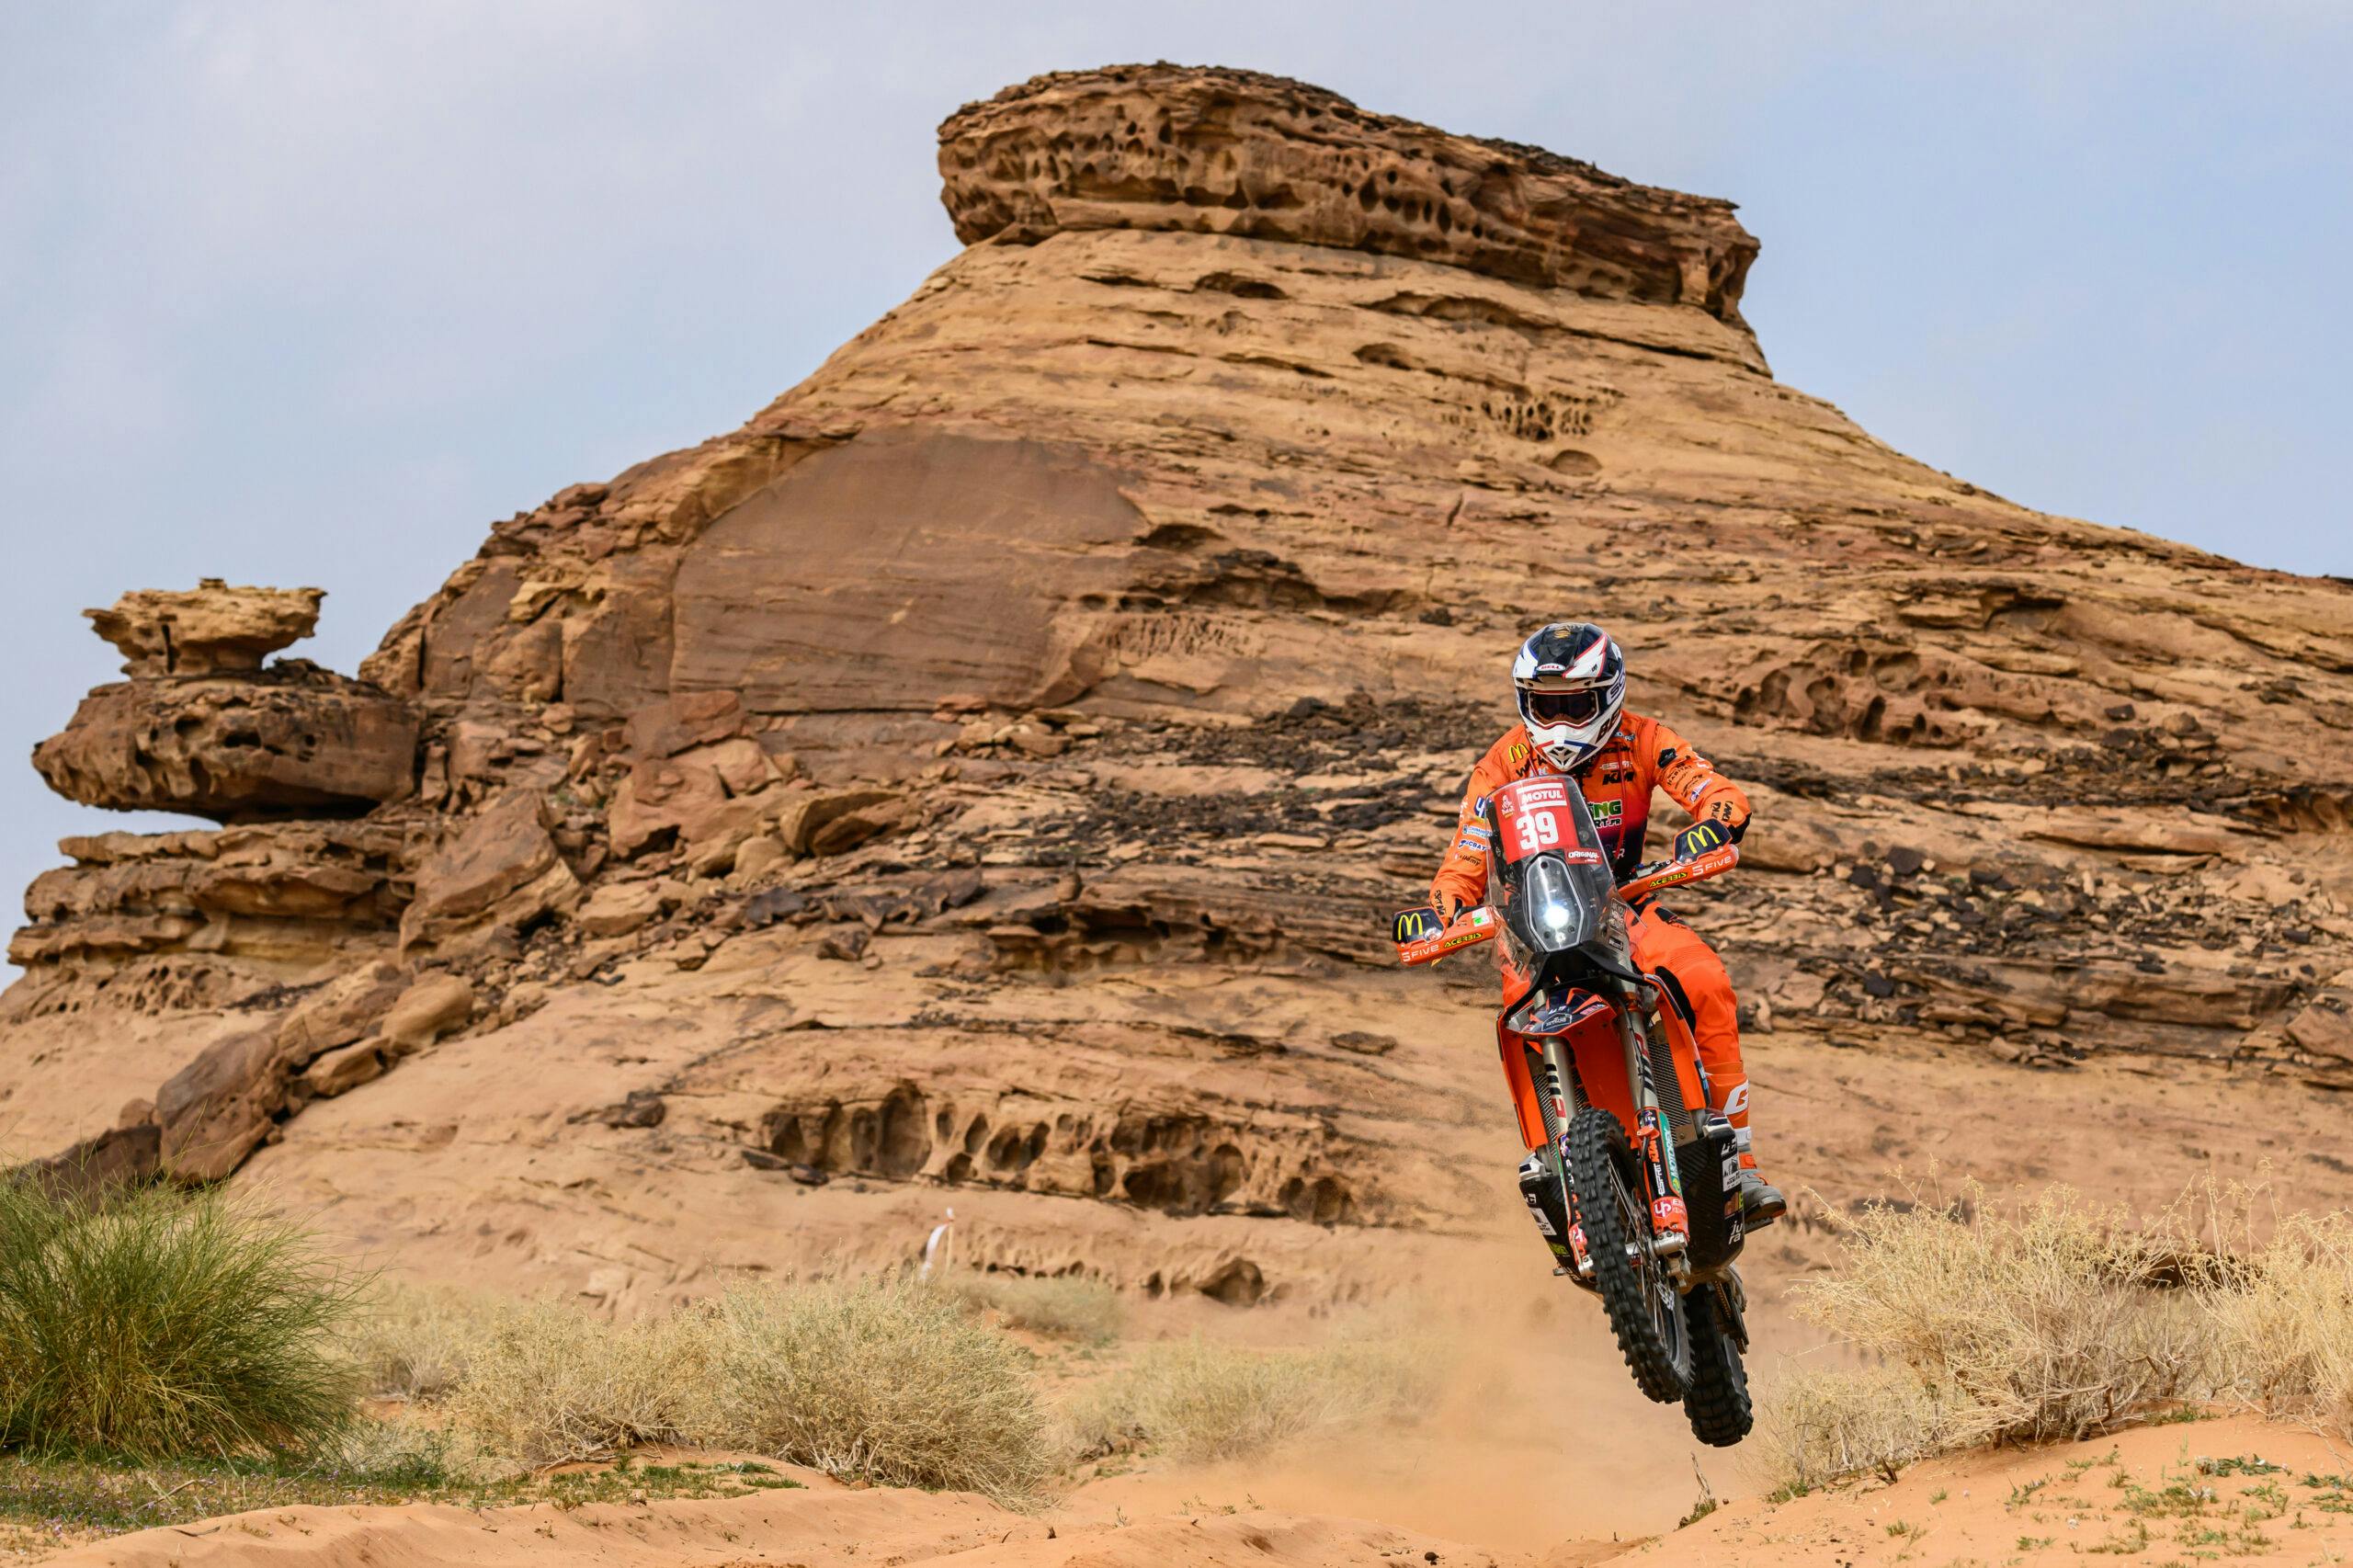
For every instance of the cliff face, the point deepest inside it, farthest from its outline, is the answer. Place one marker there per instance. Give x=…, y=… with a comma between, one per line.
x=981, y=777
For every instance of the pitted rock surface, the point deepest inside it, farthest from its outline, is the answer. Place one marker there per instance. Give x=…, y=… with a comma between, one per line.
x=291, y=741
x=213, y=628
x=1216, y=152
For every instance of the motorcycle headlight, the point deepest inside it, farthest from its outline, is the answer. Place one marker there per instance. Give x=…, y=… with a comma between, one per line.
x=1556, y=913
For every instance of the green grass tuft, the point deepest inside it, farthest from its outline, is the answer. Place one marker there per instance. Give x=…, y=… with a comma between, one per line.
x=152, y=1322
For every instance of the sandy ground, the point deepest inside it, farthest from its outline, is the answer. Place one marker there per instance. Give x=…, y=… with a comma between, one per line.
x=812, y=1529
x=2156, y=1494
x=2141, y=1496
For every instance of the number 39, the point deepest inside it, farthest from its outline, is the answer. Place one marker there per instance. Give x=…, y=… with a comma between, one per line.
x=1537, y=830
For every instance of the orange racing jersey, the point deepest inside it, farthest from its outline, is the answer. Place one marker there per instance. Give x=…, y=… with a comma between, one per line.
x=1644, y=756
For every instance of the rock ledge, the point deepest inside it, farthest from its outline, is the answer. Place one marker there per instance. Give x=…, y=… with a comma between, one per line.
x=1207, y=150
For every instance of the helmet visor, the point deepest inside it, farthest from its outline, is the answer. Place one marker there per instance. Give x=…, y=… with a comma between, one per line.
x=1563, y=707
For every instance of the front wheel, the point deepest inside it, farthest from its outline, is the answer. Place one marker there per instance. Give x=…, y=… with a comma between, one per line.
x=1645, y=1313
x=1717, y=1405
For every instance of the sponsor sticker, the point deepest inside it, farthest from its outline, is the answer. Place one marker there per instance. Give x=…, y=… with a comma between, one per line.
x=1606, y=811
x=1519, y=753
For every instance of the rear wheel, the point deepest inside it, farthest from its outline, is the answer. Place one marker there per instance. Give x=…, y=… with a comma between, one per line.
x=1717, y=1405
x=1645, y=1313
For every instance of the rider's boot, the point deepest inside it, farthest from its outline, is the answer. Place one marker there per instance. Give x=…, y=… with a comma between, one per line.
x=1761, y=1202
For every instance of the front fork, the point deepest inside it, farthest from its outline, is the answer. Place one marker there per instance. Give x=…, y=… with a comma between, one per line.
x=1654, y=1144
x=1670, y=1221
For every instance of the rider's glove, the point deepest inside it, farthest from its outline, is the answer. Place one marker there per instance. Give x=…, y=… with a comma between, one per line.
x=1449, y=907
x=1414, y=925
x=1699, y=839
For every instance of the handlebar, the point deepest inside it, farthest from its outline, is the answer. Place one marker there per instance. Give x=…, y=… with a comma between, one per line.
x=1480, y=923
x=1648, y=879
x=1470, y=928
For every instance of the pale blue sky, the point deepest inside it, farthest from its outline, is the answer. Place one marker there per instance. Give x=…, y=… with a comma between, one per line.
x=305, y=293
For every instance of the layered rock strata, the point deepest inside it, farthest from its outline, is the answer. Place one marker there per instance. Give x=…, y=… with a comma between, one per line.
x=1210, y=151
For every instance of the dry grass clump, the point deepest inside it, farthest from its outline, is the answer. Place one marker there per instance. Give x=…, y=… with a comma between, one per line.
x=153, y=1323
x=1820, y=1425
x=411, y=1342
x=546, y=1383
x=1201, y=1400
x=2023, y=1322
x=888, y=1383
x=2281, y=1321
x=1066, y=1306
x=2049, y=1318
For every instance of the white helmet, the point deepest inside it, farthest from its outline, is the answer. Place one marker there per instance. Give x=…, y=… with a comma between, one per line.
x=1572, y=687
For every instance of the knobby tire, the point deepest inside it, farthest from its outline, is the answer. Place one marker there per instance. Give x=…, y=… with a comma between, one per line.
x=1614, y=1216
x=1717, y=1405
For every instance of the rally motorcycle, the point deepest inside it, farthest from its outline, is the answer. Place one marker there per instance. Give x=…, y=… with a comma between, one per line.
x=1634, y=1181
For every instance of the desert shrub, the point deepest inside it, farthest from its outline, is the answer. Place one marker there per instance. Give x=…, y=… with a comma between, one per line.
x=2021, y=1322
x=1067, y=1306
x=546, y=1383
x=2280, y=1322
x=153, y=1323
x=889, y=1383
x=412, y=1341
x=1201, y=1400
x=1813, y=1427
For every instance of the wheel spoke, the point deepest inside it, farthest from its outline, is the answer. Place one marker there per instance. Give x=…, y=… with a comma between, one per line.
x=1635, y=1286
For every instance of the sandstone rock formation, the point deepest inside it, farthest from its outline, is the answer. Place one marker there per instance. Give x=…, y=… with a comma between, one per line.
x=200, y=727
x=212, y=629
x=982, y=774
x=1258, y=157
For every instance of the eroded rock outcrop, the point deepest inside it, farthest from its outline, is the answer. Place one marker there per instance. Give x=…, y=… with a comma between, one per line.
x=212, y=629
x=215, y=1111
x=984, y=773
x=200, y=727
x=278, y=898
x=1212, y=151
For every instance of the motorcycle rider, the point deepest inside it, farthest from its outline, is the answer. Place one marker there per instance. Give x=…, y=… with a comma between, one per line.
x=1570, y=678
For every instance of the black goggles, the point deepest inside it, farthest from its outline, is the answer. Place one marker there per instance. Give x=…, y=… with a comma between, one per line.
x=1563, y=707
